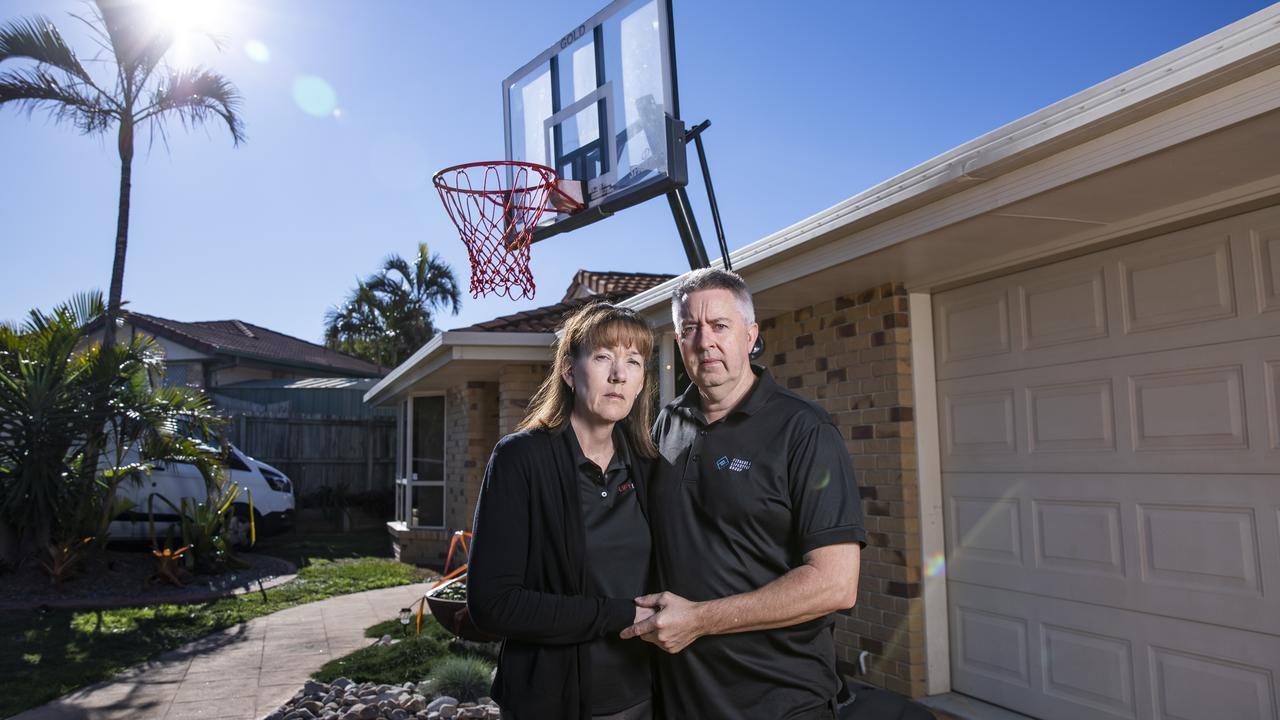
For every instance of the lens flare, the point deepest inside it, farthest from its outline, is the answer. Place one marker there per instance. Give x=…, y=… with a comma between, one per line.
x=935, y=566
x=258, y=51
x=315, y=96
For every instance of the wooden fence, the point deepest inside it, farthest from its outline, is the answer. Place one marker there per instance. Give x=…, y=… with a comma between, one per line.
x=319, y=452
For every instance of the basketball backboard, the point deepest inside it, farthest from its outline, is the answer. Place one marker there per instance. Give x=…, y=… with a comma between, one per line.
x=600, y=106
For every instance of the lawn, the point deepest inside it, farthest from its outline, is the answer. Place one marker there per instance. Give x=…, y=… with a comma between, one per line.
x=50, y=653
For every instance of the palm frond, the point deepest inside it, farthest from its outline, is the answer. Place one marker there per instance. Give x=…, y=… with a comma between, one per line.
x=129, y=30
x=196, y=96
x=86, y=307
x=38, y=39
x=34, y=89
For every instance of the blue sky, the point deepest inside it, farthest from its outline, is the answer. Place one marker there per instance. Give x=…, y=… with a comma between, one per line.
x=811, y=102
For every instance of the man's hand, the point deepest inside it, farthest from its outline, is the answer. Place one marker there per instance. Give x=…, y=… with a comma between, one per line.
x=675, y=623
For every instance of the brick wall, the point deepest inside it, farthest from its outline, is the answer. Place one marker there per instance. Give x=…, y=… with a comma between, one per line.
x=471, y=414
x=852, y=355
x=516, y=384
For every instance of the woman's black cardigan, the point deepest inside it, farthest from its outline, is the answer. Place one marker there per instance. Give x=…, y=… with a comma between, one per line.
x=527, y=575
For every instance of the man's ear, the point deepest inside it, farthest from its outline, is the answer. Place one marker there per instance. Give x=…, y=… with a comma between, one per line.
x=753, y=332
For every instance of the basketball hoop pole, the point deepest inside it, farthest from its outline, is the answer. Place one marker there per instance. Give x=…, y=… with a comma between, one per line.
x=687, y=226
x=682, y=210
x=695, y=132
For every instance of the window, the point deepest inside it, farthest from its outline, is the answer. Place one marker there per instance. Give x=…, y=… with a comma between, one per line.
x=420, y=501
x=175, y=375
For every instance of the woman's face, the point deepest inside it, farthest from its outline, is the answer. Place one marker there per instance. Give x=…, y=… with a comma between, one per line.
x=606, y=382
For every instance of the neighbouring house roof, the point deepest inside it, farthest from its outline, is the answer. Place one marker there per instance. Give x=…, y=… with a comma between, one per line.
x=592, y=283
x=241, y=339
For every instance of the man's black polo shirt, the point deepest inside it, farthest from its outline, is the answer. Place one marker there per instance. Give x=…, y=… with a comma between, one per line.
x=735, y=505
x=618, y=548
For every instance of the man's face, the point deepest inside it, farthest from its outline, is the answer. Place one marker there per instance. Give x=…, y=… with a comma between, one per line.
x=715, y=339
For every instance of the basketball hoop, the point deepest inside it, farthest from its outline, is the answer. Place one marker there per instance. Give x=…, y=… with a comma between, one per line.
x=496, y=205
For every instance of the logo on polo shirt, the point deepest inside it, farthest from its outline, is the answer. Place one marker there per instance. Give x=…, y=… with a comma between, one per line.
x=734, y=464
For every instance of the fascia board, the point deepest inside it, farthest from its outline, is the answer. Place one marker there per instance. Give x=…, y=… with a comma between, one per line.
x=454, y=345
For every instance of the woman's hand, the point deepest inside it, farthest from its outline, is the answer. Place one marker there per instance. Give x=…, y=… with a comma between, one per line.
x=642, y=614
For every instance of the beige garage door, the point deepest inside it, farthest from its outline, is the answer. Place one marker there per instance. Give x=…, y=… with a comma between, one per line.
x=1110, y=438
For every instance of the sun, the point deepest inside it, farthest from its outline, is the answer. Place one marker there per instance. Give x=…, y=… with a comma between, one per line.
x=187, y=21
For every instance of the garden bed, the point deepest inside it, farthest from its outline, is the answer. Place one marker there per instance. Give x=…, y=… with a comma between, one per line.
x=116, y=578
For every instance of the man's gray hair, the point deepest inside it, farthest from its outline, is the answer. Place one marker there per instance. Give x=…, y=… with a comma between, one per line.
x=711, y=279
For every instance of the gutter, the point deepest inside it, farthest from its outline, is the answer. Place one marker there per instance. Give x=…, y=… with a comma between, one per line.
x=1224, y=56
x=456, y=345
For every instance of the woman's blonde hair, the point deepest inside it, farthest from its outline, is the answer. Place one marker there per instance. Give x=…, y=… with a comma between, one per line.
x=594, y=326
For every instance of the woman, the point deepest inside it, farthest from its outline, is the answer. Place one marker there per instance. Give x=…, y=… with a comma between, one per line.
x=561, y=545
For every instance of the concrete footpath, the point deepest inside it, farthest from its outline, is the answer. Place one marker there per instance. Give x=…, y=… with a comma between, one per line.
x=243, y=672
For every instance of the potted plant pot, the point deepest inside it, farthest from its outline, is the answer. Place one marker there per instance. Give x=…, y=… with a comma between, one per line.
x=451, y=610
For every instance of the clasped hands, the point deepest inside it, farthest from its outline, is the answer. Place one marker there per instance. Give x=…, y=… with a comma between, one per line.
x=666, y=620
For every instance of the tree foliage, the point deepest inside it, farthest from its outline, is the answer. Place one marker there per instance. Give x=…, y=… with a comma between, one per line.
x=135, y=89
x=62, y=459
x=390, y=314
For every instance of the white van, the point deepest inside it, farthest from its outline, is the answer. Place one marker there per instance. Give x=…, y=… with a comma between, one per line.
x=273, y=500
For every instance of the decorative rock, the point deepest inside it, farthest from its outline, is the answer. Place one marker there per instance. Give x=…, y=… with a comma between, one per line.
x=314, y=689
x=347, y=700
x=435, y=705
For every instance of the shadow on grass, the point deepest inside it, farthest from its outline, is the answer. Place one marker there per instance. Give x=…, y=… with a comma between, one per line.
x=51, y=653
x=301, y=547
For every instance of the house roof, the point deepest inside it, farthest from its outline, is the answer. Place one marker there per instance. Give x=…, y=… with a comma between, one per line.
x=587, y=286
x=538, y=320
x=242, y=339
x=589, y=283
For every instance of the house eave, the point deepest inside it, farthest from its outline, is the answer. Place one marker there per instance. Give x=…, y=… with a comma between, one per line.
x=448, y=347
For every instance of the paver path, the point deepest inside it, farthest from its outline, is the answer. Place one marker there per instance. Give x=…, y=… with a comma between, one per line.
x=243, y=672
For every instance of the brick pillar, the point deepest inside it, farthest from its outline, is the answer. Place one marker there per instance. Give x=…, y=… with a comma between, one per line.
x=852, y=355
x=516, y=385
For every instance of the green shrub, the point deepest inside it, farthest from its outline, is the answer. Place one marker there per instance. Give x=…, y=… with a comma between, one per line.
x=393, y=664
x=465, y=678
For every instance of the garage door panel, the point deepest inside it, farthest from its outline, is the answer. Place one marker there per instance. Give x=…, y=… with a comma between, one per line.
x=1097, y=662
x=1264, y=244
x=1178, y=281
x=1198, y=547
x=1220, y=280
x=1172, y=411
x=1110, y=449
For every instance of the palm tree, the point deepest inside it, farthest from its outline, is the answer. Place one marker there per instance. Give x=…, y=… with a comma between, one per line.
x=390, y=314
x=52, y=485
x=143, y=92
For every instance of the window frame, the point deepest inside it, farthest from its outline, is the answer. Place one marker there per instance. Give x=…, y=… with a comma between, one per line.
x=406, y=483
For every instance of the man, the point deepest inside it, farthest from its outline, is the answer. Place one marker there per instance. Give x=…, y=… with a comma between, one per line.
x=756, y=523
